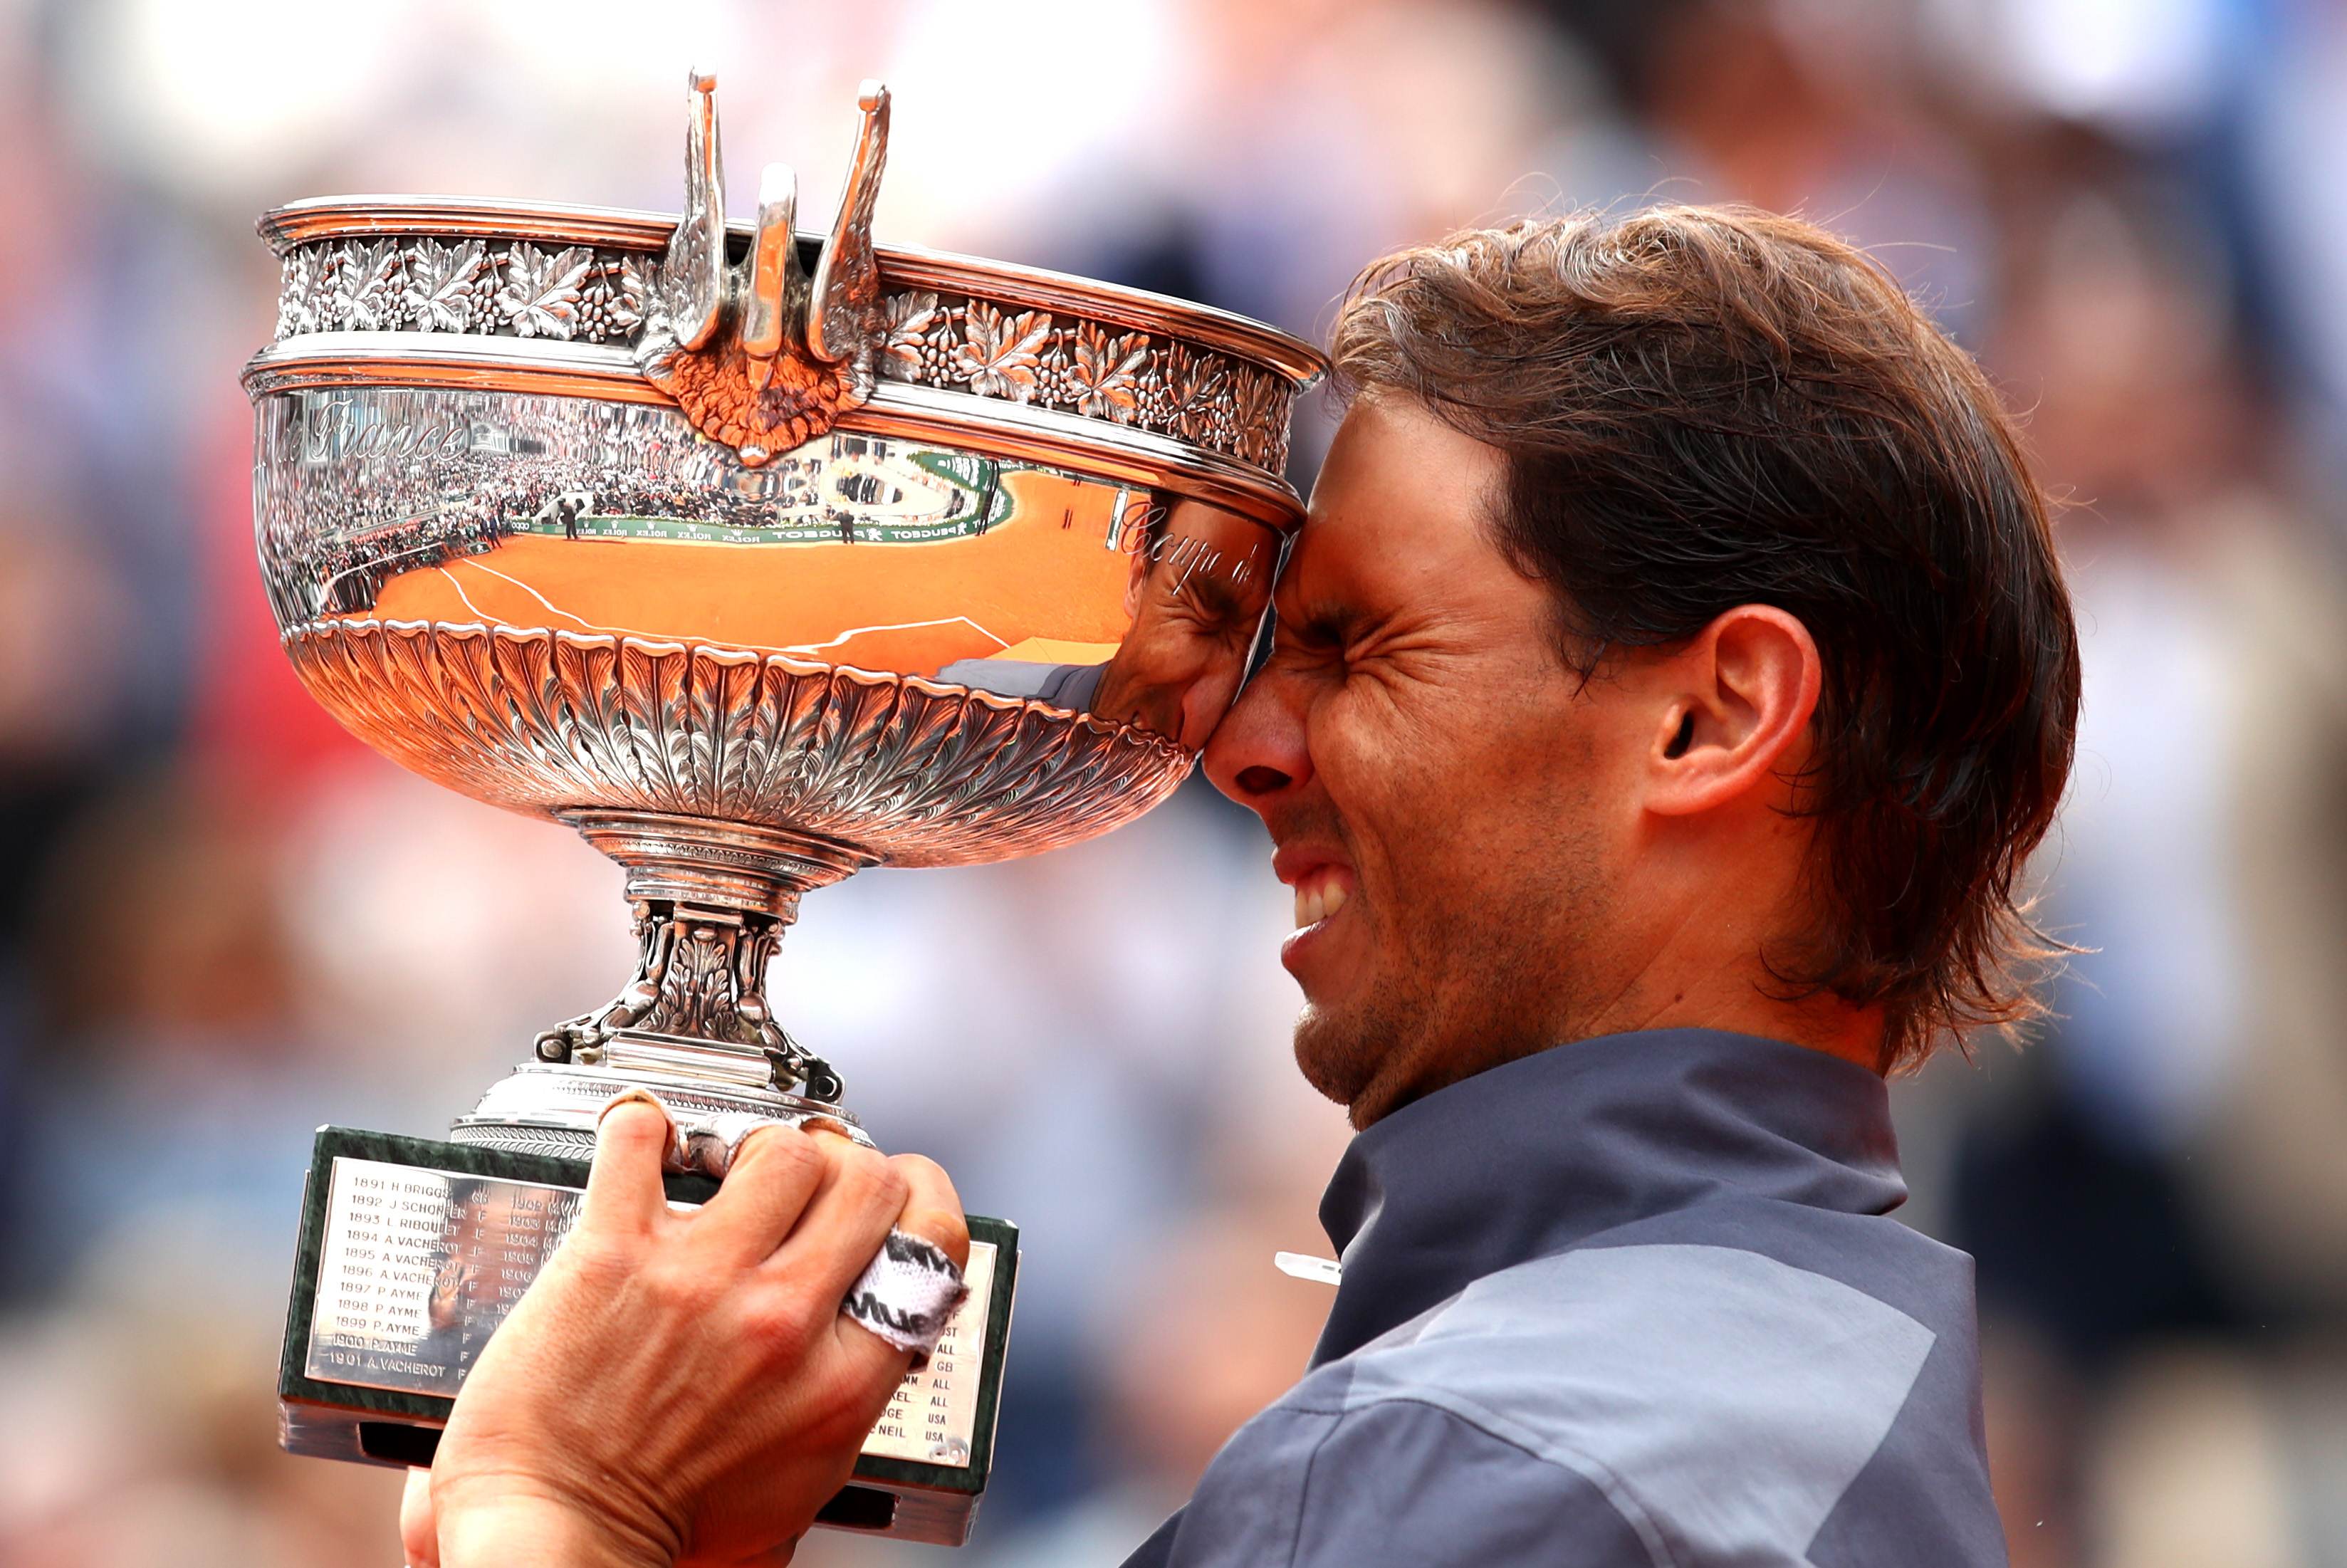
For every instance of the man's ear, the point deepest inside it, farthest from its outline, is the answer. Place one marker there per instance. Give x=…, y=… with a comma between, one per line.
x=1737, y=700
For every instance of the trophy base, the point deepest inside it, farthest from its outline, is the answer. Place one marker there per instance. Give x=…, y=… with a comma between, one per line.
x=411, y=1251
x=550, y=1109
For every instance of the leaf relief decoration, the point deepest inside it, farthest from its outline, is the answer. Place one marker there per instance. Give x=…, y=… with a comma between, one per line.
x=1105, y=374
x=1001, y=353
x=440, y=283
x=541, y=294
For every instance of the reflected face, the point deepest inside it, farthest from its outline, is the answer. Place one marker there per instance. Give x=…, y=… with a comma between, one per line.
x=1200, y=580
x=1434, y=778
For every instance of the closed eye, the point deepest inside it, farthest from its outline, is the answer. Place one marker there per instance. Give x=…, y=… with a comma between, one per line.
x=1321, y=626
x=1316, y=638
x=1212, y=599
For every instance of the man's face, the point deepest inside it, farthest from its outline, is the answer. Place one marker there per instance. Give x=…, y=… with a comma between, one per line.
x=1196, y=595
x=1449, y=802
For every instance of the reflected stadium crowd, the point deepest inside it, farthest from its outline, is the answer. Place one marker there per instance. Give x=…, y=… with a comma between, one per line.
x=350, y=570
x=338, y=526
x=225, y=923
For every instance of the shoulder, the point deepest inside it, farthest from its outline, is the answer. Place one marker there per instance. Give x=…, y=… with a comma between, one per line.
x=1680, y=1373
x=1315, y=1484
x=1693, y=1401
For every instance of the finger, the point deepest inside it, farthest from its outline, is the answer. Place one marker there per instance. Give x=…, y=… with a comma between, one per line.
x=776, y=1169
x=932, y=1208
x=846, y=1220
x=884, y=1305
x=711, y=1142
x=419, y=1534
x=624, y=1192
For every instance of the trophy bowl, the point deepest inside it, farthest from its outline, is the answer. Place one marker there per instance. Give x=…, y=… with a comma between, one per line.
x=757, y=557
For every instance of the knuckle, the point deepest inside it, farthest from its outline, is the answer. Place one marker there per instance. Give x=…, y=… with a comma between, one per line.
x=859, y=1169
x=678, y=1285
x=933, y=1210
x=950, y=1231
x=887, y=1184
x=780, y=1321
x=778, y=1151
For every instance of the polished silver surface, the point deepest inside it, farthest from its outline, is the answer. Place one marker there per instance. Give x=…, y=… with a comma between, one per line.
x=550, y=1108
x=757, y=559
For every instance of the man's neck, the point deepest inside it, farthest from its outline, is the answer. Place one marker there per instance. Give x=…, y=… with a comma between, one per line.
x=1823, y=1023
x=1738, y=1003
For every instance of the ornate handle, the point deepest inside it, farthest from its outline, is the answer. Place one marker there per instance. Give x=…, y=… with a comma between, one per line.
x=760, y=357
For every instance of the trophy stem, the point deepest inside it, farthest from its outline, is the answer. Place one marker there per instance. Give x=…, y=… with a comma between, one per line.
x=711, y=899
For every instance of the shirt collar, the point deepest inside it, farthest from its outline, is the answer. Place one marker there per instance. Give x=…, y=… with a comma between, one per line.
x=1530, y=1157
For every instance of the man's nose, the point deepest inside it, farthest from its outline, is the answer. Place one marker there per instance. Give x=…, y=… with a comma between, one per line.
x=1257, y=754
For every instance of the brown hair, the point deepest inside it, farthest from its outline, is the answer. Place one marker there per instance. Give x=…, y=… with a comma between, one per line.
x=1702, y=407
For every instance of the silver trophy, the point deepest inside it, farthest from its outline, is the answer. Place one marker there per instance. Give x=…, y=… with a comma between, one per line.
x=757, y=559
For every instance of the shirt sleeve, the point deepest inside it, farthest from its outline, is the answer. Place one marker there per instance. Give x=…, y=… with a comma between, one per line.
x=1399, y=1482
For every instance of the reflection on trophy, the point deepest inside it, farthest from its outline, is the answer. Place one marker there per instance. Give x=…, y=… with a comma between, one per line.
x=757, y=559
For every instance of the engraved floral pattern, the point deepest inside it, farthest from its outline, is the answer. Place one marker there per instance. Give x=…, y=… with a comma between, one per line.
x=1256, y=407
x=297, y=297
x=541, y=290
x=611, y=305
x=1001, y=355
x=1104, y=373
x=1193, y=384
x=908, y=345
x=440, y=284
x=368, y=283
x=582, y=294
x=903, y=768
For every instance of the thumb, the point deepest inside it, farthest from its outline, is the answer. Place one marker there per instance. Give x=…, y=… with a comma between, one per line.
x=419, y=1534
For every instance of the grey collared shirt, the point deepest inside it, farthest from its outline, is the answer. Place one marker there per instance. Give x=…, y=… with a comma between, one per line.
x=1636, y=1300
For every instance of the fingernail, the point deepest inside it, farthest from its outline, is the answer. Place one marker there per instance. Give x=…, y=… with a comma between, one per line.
x=632, y=1094
x=828, y=1124
x=677, y=1155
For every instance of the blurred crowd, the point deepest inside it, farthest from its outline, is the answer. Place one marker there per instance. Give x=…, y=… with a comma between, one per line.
x=222, y=922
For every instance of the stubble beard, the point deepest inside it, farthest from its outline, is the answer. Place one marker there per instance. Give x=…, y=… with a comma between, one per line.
x=1465, y=988
x=1450, y=1014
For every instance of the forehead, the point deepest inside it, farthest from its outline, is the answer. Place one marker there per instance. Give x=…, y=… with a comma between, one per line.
x=1400, y=506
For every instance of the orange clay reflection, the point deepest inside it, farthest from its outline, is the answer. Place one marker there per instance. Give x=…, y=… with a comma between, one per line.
x=1199, y=581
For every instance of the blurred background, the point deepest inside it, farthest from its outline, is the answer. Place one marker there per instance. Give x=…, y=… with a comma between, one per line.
x=222, y=923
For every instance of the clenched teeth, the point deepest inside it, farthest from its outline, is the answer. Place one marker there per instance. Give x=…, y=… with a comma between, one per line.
x=1317, y=898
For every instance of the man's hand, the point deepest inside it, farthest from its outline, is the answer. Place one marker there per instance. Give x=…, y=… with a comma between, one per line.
x=680, y=1385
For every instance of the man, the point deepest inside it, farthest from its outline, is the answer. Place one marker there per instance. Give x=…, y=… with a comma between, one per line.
x=1669, y=684
x=1195, y=592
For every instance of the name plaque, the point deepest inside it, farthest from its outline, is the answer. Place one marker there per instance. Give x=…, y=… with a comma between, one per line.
x=417, y=1268
x=413, y=1252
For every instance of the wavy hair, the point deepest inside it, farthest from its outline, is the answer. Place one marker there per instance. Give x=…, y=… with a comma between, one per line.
x=1702, y=407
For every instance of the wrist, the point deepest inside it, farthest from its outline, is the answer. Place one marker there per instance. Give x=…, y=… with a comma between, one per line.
x=532, y=1531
